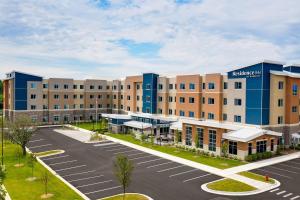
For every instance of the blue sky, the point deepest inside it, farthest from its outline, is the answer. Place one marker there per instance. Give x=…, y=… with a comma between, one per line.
x=115, y=38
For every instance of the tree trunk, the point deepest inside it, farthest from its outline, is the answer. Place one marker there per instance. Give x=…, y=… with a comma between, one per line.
x=123, y=193
x=24, y=150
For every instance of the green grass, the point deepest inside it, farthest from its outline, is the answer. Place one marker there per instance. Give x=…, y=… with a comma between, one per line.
x=47, y=153
x=89, y=125
x=221, y=163
x=20, y=189
x=230, y=185
x=127, y=197
x=257, y=177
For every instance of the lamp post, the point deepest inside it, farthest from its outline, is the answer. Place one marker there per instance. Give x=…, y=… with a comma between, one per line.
x=2, y=138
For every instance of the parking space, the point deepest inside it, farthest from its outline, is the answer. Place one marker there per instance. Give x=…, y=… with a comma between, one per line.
x=288, y=173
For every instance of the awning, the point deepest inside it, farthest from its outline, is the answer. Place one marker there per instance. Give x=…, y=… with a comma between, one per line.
x=136, y=124
x=296, y=135
x=176, y=126
x=248, y=134
x=116, y=116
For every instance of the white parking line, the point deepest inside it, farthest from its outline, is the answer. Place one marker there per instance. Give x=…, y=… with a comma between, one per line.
x=294, y=162
x=289, y=166
x=44, y=145
x=80, y=179
x=104, y=144
x=136, y=154
x=163, y=170
x=35, y=140
x=125, y=151
x=55, y=157
x=282, y=192
x=59, y=163
x=159, y=164
x=59, y=170
x=287, y=195
x=274, y=190
x=149, y=161
x=187, y=180
x=111, y=147
x=296, y=197
x=103, y=190
x=285, y=170
x=141, y=157
x=94, y=183
x=117, y=149
x=79, y=173
x=274, y=173
x=192, y=170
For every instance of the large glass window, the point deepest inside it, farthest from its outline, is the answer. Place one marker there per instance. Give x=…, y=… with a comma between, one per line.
x=211, y=101
x=237, y=85
x=211, y=116
x=188, y=136
x=212, y=140
x=249, y=148
x=295, y=89
x=261, y=146
x=232, y=147
x=182, y=86
x=237, y=118
x=200, y=132
x=211, y=86
x=192, y=86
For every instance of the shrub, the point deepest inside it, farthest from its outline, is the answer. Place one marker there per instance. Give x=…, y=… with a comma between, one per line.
x=249, y=158
x=254, y=157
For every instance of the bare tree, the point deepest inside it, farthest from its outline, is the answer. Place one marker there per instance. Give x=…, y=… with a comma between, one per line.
x=123, y=171
x=31, y=163
x=45, y=180
x=21, y=130
x=2, y=177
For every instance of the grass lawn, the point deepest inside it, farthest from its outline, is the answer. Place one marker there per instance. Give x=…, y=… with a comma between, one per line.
x=20, y=189
x=89, y=125
x=47, y=153
x=257, y=177
x=127, y=197
x=230, y=185
x=220, y=163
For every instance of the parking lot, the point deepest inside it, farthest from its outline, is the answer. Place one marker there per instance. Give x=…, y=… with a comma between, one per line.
x=89, y=167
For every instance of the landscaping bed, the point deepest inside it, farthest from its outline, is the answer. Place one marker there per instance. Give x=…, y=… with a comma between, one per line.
x=230, y=185
x=257, y=177
x=127, y=197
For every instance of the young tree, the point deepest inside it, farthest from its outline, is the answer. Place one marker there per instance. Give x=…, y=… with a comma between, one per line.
x=2, y=177
x=31, y=163
x=45, y=180
x=123, y=170
x=18, y=155
x=224, y=149
x=20, y=131
x=197, y=143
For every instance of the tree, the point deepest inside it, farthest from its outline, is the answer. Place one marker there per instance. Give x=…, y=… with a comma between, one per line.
x=45, y=180
x=2, y=177
x=177, y=135
x=18, y=154
x=197, y=143
x=224, y=149
x=123, y=170
x=21, y=130
x=31, y=163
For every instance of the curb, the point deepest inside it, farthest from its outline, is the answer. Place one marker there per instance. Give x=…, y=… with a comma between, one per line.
x=60, y=178
x=7, y=197
x=149, y=198
x=248, y=193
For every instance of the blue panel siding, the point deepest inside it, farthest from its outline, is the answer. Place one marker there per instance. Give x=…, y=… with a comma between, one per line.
x=119, y=121
x=257, y=90
x=150, y=79
x=293, y=69
x=21, y=89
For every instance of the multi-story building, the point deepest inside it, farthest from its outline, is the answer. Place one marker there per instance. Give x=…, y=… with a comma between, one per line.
x=250, y=107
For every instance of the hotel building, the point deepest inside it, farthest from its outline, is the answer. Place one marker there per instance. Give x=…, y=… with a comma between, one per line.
x=250, y=108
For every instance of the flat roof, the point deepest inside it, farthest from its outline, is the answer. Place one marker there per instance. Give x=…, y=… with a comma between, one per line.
x=285, y=73
x=154, y=116
x=136, y=124
x=248, y=134
x=116, y=116
x=176, y=126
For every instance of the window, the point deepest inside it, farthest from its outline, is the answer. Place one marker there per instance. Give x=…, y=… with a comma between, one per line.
x=56, y=118
x=107, y=96
x=56, y=96
x=91, y=105
x=225, y=101
x=33, y=85
x=81, y=96
x=211, y=116
x=202, y=114
x=138, y=86
x=128, y=108
x=99, y=105
x=294, y=108
x=159, y=111
x=33, y=96
x=261, y=146
x=160, y=86
x=170, y=86
x=237, y=118
x=191, y=114
x=192, y=86
x=160, y=99
x=249, y=148
x=56, y=107
x=115, y=87
x=138, y=109
x=170, y=99
x=232, y=148
x=182, y=86
x=280, y=102
x=237, y=85
x=45, y=85
x=74, y=87
x=225, y=117
x=45, y=96
x=203, y=100
x=170, y=112
x=100, y=87
x=225, y=85
x=181, y=99
x=211, y=101
x=66, y=86
x=203, y=86
x=91, y=96
x=121, y=97
x=92, y=87
x=295, y=89
x=181, y=113
x=107, y=87
x=45, y=107
x=81, y=106
x=280, y=85
x=128, y=87
x=66, y=96
x=272, y=144
x=66, y=106
x=148, y=99
x=33, y=107
x=200, y=132
x=188, y=136
x=280, y=119
x=81, y=87
x=148, y=87
x=212, y=140
x=122, y=87
x=75, y=96
x=211, y=86
x=191, y=100
x=237, y=102
x=56, y=86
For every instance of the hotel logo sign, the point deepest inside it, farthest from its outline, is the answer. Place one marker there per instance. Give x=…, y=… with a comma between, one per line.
x=247, y=74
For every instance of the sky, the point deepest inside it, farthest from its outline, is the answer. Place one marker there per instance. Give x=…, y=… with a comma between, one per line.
x=111, y=39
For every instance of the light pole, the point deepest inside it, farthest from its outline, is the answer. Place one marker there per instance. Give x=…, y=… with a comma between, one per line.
x=96, y=110
x=2, y=138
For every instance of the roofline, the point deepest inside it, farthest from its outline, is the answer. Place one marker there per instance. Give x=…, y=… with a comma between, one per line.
x=15, y=71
